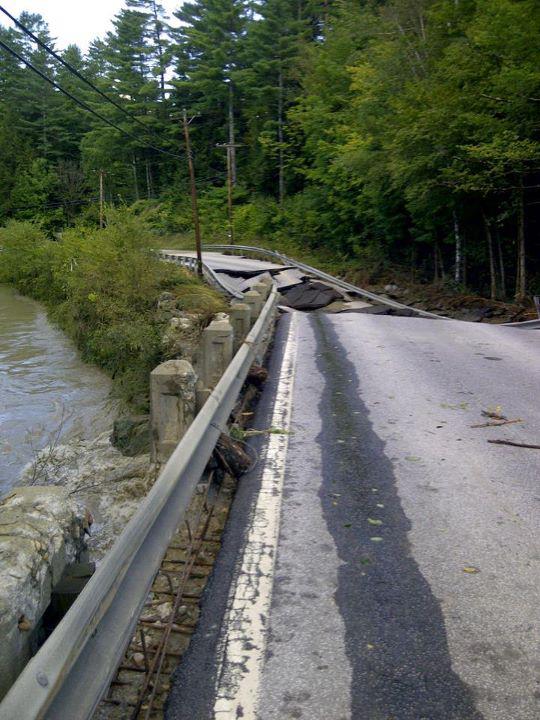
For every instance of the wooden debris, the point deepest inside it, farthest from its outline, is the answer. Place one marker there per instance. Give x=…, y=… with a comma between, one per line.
x=497, y=423
x=494, y=415
x=514, y=444
x=257, y=376
x=231, y=456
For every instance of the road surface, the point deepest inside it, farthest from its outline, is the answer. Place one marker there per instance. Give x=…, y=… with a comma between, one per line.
x=229, y=263
x=382, y=560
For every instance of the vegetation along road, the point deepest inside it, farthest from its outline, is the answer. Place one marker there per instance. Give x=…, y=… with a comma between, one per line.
x=381, y=561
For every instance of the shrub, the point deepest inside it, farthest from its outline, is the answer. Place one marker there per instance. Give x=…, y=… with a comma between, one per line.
x=102, y=287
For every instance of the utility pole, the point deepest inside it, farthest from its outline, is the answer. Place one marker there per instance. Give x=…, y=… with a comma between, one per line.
x=101, y=200
x=194, y=205
x=230, y=147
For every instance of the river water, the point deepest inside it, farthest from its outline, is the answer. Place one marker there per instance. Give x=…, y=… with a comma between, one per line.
x=46, y=392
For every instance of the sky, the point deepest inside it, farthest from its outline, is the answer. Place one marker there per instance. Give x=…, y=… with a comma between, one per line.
x=74, y=21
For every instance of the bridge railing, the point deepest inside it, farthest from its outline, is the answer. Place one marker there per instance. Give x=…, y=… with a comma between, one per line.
x=211, y=277
x=69, y=675
x=337, y=282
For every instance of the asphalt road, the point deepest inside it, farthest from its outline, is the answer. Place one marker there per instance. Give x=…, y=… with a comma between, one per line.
x=229, y=263
x=401, y=579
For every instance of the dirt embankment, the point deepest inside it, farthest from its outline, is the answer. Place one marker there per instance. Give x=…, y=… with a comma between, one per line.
x=445, y=300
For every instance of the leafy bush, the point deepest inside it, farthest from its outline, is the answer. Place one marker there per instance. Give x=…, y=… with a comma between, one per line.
x=102, y=287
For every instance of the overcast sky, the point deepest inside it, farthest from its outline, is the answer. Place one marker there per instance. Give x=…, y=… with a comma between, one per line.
x=74, y=21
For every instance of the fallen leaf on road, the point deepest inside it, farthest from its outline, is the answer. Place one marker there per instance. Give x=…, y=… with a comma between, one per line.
x=412, y=458
x=376, y=539
x=471, y=569
x=371, y=521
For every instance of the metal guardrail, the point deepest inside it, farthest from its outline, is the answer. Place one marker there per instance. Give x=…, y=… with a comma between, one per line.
x=342, y=284
x=524, y=324
x=67, y=678
x=209, y=274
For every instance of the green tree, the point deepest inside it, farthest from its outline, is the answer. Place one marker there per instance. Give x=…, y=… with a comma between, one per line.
x=208, y=56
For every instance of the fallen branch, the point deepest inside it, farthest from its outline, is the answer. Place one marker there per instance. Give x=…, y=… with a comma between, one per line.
x=497, y=423
x=514, y=444
x=494, y=415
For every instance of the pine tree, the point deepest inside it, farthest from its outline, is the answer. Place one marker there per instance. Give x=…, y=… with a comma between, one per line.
x=272, y=48
x=156, y=31
x=208, y=52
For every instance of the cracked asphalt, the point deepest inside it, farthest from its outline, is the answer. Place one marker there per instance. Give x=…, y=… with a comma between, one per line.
x=406, y=580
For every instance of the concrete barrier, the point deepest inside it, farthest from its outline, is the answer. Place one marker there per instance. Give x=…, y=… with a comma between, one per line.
x=241, y=322
x=216, y=351
x=255, y=301
x=173, y=405
x=263, y=287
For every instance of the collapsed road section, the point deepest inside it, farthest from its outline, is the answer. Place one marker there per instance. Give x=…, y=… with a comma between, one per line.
x=300, y=287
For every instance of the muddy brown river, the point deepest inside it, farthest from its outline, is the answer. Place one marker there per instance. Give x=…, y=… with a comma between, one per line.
x=47, y=394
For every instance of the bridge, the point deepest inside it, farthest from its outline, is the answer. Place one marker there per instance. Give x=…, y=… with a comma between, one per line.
x=381, y=559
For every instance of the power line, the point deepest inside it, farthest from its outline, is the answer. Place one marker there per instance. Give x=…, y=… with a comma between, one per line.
x=83, y=104
x=71, y=69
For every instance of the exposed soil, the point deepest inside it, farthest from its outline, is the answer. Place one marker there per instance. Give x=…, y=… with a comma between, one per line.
x=444, y=300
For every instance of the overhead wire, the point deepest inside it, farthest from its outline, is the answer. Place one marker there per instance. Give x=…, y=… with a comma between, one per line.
x=72, y=69
x=82, y=104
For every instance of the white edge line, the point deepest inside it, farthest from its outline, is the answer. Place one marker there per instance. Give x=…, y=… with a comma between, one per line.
x=245, y=625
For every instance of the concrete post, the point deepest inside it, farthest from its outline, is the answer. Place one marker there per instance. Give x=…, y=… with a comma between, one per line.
x=216, y=351
x=172, y=406
x=241, y=322
x=263, y=289
x=255, y=302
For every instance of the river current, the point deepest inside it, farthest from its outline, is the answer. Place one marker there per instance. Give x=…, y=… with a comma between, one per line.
x=46, y=392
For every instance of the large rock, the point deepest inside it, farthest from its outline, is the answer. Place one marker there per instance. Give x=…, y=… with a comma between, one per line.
x=108, y=483
x=181, y=337
x=42, y=532
x=131, y=434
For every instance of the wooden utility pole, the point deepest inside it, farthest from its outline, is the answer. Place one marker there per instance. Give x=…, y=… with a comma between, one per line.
x=232, y=158
x=230, y=147
x=101, y=201
x=194, y=204
x=281, y=182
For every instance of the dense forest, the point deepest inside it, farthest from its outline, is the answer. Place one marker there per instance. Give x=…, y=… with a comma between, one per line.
x=398, y=131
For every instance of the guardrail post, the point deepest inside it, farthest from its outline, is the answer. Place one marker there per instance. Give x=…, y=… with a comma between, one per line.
x=241, y=322
x=264, y=286
x=215, y=355
x=255, y=302
x=172, y=403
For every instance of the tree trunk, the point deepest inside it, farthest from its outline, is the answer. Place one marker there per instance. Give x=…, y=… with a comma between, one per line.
x=280, y=138
x=435, y=263
x=159, y=45
x=492, y=273
x=502, y=271
x=413, y=263
x=149, y=181
x=521, y=277
x=459, y=250
x=135, y=179
x=441, y=263
x=231, y=134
